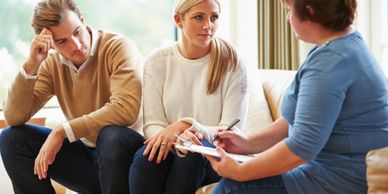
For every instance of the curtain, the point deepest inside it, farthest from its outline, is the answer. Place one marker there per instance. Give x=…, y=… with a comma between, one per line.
x=278, y=47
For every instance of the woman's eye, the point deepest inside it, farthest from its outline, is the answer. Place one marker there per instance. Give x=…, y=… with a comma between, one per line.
x=214, y=17
x=198, y=17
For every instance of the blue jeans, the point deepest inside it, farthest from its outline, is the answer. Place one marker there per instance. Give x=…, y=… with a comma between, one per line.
x=80, y=168
x=271, y=185
x=175, y=175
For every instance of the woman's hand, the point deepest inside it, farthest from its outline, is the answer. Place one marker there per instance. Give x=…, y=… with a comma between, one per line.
x=164, y=141
x=232, y=142
x=225, y=166
x=192, y=136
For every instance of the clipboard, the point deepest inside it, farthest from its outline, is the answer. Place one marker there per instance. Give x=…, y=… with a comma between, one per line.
x=186, y=145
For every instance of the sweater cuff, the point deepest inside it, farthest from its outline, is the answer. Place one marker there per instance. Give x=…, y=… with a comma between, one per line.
x=27, y=76
x=207, y=132
x=69, y=132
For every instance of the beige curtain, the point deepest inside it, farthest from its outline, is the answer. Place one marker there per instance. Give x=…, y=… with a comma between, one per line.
x=278, y=47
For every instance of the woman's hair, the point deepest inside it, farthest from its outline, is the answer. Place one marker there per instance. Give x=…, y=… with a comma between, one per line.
x=52, y=13
x=223, y=57
x=334, y=15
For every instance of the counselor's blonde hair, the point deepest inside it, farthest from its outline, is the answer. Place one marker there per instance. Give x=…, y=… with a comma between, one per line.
x=223, y=57
x=52, y=13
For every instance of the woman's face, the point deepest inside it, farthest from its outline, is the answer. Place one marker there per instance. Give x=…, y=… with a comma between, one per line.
x=199, y=24
x=300, y=28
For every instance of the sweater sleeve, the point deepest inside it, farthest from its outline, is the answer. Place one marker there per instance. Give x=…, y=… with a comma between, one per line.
x=320, y=90
x=235, y=104
x=123, y=59
x=153, y=109
x=27, y=96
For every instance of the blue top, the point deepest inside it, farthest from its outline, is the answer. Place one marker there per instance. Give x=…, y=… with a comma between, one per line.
x=337, y=110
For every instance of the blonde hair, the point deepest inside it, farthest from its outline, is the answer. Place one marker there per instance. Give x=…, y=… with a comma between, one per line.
x=51, y=13
x=223, y=57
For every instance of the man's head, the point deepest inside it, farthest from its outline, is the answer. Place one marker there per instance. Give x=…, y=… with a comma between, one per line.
x=52, y=13
x=65, y=21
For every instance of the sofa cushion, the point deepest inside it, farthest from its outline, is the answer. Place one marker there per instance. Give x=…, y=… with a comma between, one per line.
x=275, y=82
x=259, y=114
x=377, y=171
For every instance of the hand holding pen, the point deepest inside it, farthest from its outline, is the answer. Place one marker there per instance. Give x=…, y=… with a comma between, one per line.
x=231, y=125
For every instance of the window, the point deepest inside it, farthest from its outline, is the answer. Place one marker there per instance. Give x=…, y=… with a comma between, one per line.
x=239, y=25
x=372, y=22
x=147, y=22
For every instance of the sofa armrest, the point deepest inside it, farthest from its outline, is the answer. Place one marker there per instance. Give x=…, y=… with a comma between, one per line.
x=377, y=171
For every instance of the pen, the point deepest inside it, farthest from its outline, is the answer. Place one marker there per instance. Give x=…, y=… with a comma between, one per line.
x=228, y=128
x=232, y=124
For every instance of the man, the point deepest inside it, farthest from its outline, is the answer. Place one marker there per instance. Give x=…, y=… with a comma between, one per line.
x=96, y=77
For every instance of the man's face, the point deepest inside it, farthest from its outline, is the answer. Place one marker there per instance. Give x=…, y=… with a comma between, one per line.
x=72, y=39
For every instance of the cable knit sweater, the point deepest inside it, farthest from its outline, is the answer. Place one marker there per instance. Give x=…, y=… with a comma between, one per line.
x=175, y=89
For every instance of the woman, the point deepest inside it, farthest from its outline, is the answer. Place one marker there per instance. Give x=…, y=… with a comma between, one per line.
x=333, y=113
x=196, y=85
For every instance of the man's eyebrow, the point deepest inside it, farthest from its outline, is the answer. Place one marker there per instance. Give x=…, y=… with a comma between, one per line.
x=61, y=39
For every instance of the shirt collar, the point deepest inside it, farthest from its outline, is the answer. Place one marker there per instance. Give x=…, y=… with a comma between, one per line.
x=93, y=50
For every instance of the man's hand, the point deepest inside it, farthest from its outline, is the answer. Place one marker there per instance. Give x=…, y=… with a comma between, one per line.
x=40, y=46
x=48, y=151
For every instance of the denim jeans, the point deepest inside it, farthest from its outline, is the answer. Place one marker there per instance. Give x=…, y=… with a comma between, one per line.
x=271, y=185
x=80, y=168
x=175, y=175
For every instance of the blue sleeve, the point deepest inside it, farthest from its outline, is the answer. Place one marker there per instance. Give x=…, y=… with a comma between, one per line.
x=320, y=89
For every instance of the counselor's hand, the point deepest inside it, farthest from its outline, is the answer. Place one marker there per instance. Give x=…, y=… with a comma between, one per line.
x=48, y=151
x=225, y=166
x=231, y=142
x=163, y=141
x=40, y=46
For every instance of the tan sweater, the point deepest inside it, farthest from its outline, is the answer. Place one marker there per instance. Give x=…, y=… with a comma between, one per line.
x=106, y=91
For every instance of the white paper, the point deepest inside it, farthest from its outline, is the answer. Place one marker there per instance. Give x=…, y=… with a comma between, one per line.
x=213, y=152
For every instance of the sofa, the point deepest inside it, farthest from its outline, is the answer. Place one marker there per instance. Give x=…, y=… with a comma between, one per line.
x=267, y=88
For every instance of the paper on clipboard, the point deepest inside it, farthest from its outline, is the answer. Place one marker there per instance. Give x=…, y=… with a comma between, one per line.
x=212, y=152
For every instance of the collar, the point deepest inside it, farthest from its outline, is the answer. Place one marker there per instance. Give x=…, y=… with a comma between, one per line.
x=93, y=50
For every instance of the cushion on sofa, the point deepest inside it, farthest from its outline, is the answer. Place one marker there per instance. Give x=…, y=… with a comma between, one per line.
x=377, y=171
x=275, y=82
x=259, y=114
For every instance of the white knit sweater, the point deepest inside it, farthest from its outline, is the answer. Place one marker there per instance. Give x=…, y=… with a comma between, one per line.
x=175, y=89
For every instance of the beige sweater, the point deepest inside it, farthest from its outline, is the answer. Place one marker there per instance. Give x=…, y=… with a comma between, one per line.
x=106, y=91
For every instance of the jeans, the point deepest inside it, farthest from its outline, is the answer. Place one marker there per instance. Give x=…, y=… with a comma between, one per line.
x=271, y=185
x=78, y=167
x=175, y=175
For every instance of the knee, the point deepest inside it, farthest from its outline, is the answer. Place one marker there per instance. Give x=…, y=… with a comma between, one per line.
x=139, y=158
x=11, y=135
x=140, y=162
x=114, y=140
